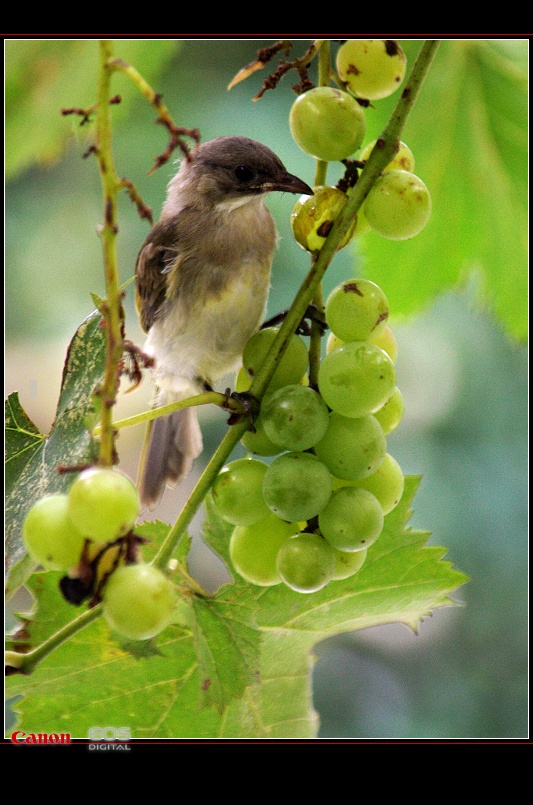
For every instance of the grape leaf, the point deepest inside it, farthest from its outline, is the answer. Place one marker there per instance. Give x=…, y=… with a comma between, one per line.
x=262, y=636
x=469, y=134
x=32, y=460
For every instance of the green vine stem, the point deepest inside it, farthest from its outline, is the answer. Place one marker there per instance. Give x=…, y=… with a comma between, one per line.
x=112, y=309
x=383, y=152
x=223, y=401
x=16, y=662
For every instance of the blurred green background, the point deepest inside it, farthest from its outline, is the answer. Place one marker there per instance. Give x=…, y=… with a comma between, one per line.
x=463, y=377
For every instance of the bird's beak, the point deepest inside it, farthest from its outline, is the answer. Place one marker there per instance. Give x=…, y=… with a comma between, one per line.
x=287, y=183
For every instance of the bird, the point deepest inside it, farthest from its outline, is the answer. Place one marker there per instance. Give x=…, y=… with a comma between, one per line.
x=202, y=279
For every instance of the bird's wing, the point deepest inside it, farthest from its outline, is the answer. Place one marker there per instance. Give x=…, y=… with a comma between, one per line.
x=154, y=262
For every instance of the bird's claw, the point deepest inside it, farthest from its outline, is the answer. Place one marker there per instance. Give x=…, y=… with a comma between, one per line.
x=312, y=313
x=248, y=404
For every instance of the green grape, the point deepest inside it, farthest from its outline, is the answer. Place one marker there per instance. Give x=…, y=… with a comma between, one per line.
x=352, y=448
x=254, y=548
x=238, y=491
x=387, y=341
x=296, y=486
x=398, y=205
x=295, y=417
x=333, y=342
x=386, y=483
x=352, y=520
x=402, y=160
x=290, y=368
x=138, y=601
x=313, y=216
x=356, y=379
x=103, y=503
x=327, y=123
x=390, y=415
x=356, y=310
x=257, y=441
x=306, y=563
x=361, y=224
x=347, y=564
x=49, y=535
x=371, y=68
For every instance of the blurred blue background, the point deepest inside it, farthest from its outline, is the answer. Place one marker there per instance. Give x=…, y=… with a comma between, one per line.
x=465, y=675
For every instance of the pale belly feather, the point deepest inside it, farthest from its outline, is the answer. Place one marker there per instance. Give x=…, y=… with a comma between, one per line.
x=207, y=341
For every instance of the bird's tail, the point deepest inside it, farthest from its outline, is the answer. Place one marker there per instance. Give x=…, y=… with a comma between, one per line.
x=171, y=444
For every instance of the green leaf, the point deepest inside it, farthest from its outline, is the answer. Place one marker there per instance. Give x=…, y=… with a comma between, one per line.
x=243, y=668
x=227, y=648
x=32, y=460
x=45, y=76
x=22, y=440
x=469, y=135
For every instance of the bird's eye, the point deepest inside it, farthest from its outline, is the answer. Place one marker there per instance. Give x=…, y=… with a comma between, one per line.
x=243, y=173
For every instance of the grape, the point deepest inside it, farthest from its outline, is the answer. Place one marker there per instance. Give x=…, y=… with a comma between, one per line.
x=356, y=310
x=253, y=549
x=390, y=415
x=296, y=486
x=386, y=483
x=290, y=368
x=352, y=520
x=327, y=123
x=371, y=68
x=295, y=417
x=238, y=491
x=385, y=339
x=306, y=563
x=103, y=503
x=347, y=564
x=257, y=441
x=356, y=379
x=398, y=205
x=313, y=217
x=352, y=448
x=50, y=536
x=361, y=224
x=403, y=158
x=138, y=601
x=333, y=342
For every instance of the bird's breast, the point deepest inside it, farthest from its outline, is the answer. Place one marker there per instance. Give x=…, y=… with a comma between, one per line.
x=217, y=294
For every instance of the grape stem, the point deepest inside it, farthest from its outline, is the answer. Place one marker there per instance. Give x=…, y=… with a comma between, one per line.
x=224, y=401
x=381, y=155
x=16, y=662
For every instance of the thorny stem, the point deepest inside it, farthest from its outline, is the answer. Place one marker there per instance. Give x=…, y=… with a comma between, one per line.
x=381, y=155
x=113, y=314
x=164, y=117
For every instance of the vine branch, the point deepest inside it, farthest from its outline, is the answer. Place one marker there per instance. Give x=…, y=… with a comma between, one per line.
x=112, y=311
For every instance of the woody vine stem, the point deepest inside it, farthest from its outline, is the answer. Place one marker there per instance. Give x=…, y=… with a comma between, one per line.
x=309, y=291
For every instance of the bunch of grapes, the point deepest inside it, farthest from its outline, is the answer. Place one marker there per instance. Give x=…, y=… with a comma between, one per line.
x=83, y=533
x=310, y=515
x=329, y=123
